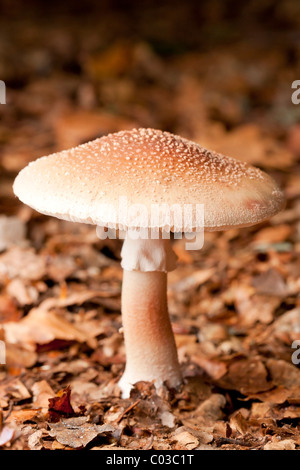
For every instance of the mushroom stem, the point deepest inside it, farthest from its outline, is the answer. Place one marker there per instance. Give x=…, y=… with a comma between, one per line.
x=149, y=341
x=151, y=353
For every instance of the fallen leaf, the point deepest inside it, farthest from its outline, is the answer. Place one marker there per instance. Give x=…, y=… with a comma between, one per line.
x=12, y=232
x=6, y=435
x=14, y=388
x=78, y=432
x=8, y=310
x=253, y=308
x=78, y=298
x=42, y=393
x=19, y=416
x=60, y=406
x=34, y=440
x=239, y=423
x=288, y=324
x=292, y=189
x=42, y=327
x=262, y=411
x=276, y=234
x=60, y=267
x=193, y=281
x=283, y=373
x=248, y=143
x=22, y=291
x=167, y=418
x=286, y=444
x=210, y=410
x=247, y=376
x=270, y=283
x=80, y=126
x=20, y=357
x=22, y=263
x=277, y=395
x=213, y=368
x=185, y=441
x=293, y=139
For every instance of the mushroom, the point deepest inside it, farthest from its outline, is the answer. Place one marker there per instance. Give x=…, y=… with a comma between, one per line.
x=118, y=182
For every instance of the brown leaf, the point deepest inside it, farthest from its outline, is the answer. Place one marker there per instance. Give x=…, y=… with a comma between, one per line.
x=209, y=411
x=253, y=308
x=247, y=376
x=276, y=234
x=17, y=356
x=193, y=281
x=292, y=189
x=51, y=326
x=42, y=393
x=286, y=444
x=22, y=291
x=215, y=369
x=283, y=373
x=60, y=406
x=239, y=423
x=60, y=267
x=185, y=440
x=19, y=416
x=293, y=139
x=14, y=388
x=22, y=263
x=277, y=395
x=248, y=143
x=34, y=441
x=79, y=126
x=6, y=435
x=78, y=298
x=8, y=310
x=262, y=411
x=288, y=324
x=12, y=232
x=77, y=432
x=270, y=283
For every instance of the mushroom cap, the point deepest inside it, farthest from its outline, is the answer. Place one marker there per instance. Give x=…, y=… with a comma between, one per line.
x=117, y=180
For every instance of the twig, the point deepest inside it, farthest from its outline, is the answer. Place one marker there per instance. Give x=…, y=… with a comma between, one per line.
x=227, y=440
x=10, y=408
x=127, y=410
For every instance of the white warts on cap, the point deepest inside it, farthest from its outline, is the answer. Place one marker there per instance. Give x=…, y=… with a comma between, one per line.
x=147, y=166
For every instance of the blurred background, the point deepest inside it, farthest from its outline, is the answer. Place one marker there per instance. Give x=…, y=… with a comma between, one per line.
x=217, y=72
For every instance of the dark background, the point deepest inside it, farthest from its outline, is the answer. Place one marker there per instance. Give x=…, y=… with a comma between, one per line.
x=199, y=69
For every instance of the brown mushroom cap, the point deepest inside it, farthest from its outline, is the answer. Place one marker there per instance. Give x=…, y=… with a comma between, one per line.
x=147, y=166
